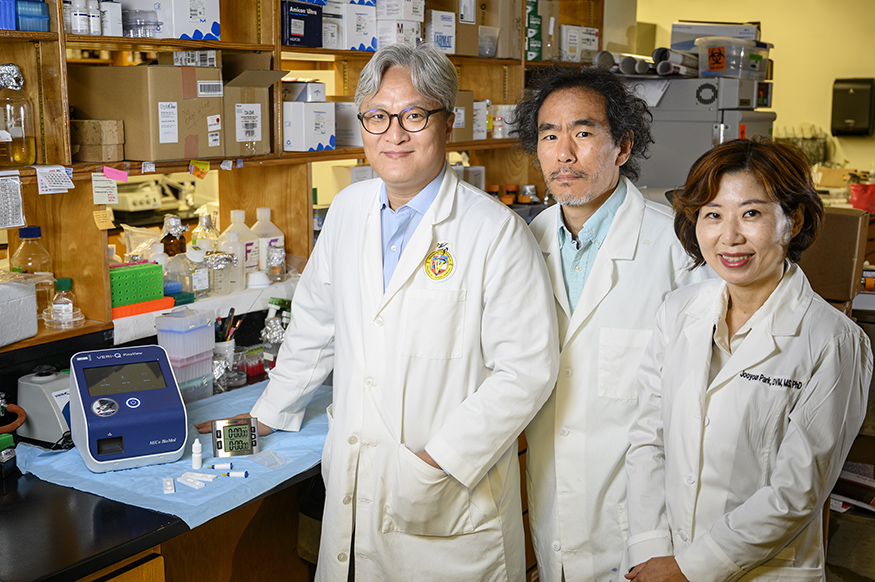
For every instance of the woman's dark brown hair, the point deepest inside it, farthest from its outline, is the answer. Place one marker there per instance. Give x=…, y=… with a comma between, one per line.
x=781, y=169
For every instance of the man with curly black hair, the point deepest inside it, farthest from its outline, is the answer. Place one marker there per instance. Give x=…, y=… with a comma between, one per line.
x=612, y=257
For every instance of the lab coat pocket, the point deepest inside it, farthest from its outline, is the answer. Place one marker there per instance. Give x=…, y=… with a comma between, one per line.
x=424, y=500
x=326, y=448
x=620, y=353
x=437, y=319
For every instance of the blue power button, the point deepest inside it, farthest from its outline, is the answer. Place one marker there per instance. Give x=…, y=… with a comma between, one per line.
x=133, y=402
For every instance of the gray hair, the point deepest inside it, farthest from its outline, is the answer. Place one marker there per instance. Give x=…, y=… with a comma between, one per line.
x=433, y=75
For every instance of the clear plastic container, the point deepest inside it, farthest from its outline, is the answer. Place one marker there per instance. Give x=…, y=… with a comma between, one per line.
x=247, y=237
x=32, y=257
x=721, y=56
x=140, y=23
x=186, y=332
x=237, y=276
x=205, y=230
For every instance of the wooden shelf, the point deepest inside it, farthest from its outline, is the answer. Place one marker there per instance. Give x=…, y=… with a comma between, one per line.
x=123, y=43
x=20, y=35
x=344, y=54
x=50, y=335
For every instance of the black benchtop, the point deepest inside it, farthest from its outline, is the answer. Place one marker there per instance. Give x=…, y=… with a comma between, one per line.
x=50, y=532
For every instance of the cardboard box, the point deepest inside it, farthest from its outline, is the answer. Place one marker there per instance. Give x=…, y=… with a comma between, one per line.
x=832, y=177
x=392, y=31
x=192, y=19
x=469, y=16
x=191, y=58
x=17, y=311
x=301, y=24
x=440, y=29
x=247, y=103
x=347, y=128
x=97, y=131
x=308, y=126
x=463, y=124
x=169, y=113
x=401, y=10
x=685, y=32
x=834, y=263
x=303, y=91
x=548, y=10
x=114, y=152
x=355, y=26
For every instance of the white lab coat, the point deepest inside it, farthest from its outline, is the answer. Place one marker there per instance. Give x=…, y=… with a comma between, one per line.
x=456, y=366
x=763, y=443
x=577, y=442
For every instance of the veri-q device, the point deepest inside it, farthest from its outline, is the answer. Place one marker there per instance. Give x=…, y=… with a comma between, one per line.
x=125, y=408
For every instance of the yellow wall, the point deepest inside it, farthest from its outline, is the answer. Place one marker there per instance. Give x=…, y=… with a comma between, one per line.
x=816, y=42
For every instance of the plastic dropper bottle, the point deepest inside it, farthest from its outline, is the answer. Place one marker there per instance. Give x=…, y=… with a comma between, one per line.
x=32, y=257
x=232, y=245
x=268, y=234
x=247, y=237
x=159, y=256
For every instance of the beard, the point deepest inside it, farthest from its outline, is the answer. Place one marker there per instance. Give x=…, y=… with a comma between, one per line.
x=566, y=196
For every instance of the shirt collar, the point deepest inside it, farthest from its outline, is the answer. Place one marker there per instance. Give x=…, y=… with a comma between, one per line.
x=423, y=200
x=597, y=226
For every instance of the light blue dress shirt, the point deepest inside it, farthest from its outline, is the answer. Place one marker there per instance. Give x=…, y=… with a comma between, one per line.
x=399, y=225
x=579, y=254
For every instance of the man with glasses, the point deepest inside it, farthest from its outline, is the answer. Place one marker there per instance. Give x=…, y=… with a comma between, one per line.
x=432, y=304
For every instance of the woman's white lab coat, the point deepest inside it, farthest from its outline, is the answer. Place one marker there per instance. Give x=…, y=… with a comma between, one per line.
x=578, y=441
x=759, y=448
x=456, y=365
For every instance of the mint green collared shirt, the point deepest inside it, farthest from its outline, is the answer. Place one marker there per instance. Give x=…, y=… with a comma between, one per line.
x=578, y=255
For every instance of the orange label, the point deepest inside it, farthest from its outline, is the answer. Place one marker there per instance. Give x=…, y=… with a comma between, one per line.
x=742, y=131
x=716, y=58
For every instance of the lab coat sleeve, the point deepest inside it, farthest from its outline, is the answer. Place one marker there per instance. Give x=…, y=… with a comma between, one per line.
x=649, y=534
x=822, y=426
x=519, y=346
x=306, y=355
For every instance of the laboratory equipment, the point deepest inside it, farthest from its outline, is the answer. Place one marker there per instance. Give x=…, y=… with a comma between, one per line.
x=197, y=456
x=268, y=235
x=45, y=395
x=204, y=229
x=173, y=235
x=690, y=116
x=63, y=313
x=237, y=276
x=247, y=237
x=32, y=257
x=235, y=436
x=276, y=262
x=126, y=409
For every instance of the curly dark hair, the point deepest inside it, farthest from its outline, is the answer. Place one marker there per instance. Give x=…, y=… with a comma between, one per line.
x=626, y=113
x=781, y=169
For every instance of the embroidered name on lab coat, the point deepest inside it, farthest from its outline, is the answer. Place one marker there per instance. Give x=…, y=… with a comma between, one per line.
x=780, y=382
x=439, y=264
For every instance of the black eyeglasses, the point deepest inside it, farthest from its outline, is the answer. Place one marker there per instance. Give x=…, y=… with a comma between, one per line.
x=412, y=119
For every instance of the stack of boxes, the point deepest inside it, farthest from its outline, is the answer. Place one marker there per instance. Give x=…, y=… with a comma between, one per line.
x=188, y=336
x=182, y=18
x=533, y=31
x=330, y=24
x=96, y=140
x=308, y=119
x=399, y=21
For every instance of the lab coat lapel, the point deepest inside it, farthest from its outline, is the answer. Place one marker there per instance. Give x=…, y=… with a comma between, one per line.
x=422, y=240
x=372, y=268
x=705, y=310
x=549, y=244
x=619, y=245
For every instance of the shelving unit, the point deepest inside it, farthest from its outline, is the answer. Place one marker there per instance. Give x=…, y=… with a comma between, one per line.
x=281, y=180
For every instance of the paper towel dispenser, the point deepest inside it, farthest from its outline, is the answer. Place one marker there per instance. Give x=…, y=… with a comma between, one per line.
x=853, y=106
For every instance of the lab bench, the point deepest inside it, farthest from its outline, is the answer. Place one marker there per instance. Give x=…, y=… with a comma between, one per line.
x=106, y=529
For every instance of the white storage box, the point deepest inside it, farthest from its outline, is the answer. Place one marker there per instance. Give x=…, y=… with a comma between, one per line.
x=185, y=332
x=440, y=29
x=349, y=27
x=403, y=31
x=303, y=91
x=401, y=9
x=308, y=126
x=347, y=128
x=684, y=34
x=194, y=19
x=17, y=311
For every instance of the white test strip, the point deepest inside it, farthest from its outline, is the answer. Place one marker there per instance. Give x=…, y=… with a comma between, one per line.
x=200, y=476
x=194, y=483
x=169, y=486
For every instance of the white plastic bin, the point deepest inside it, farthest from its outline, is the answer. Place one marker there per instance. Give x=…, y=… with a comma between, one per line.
x=721, y=56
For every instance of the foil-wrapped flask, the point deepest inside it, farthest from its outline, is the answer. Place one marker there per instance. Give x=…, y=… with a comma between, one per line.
x=17, y=138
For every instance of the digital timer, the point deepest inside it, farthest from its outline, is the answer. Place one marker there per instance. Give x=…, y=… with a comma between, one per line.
x=235, y=436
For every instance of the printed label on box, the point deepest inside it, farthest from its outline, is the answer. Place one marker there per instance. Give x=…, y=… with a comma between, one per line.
x=459, y=121
x=168, y=122
x=467, y=13
x=319, y=122
x=296, y=27
x=248, y=124
x=213, y=139
x=214, y=123
x=209, y=89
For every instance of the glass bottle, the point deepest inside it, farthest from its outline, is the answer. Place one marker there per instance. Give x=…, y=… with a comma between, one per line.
x=32, y=257
x=200, y=274
x=68, y=16
x=17, y=142
x=204, y=229
x=173, y=235
x=272, y=335
x=276, y=262
x=220, y=265
x=237, y=276
x=63, y=313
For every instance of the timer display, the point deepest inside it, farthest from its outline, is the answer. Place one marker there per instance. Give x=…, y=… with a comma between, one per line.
x=235, y=436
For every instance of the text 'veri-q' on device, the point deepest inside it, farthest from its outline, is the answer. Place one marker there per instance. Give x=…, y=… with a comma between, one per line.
x=125, y=408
